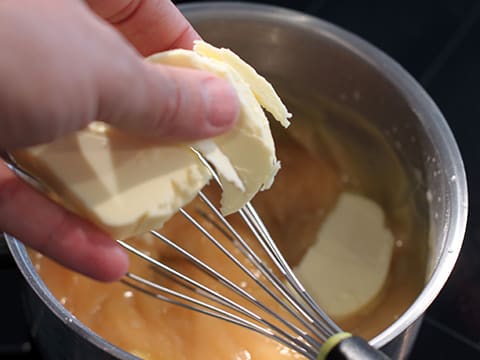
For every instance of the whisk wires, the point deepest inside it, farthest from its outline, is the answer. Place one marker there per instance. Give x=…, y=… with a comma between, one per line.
x=305, y=327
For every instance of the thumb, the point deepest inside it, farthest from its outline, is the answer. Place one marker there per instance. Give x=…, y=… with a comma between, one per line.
x=167, y=102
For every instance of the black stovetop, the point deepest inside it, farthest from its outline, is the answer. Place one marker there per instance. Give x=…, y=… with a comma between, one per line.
x=438, y=42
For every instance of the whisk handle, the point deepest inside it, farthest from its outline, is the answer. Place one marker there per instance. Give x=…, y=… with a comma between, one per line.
x=347, y=347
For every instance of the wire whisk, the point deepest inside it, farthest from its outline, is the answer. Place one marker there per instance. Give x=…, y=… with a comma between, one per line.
x=301, y=325
x=297, y=321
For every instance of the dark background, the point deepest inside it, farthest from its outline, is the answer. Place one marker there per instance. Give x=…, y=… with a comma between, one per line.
x=438, y=42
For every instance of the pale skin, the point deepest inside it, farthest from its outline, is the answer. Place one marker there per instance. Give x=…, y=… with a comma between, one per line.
x=65, y=63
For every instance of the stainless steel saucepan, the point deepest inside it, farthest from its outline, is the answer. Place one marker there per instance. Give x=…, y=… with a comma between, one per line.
x=317, y=64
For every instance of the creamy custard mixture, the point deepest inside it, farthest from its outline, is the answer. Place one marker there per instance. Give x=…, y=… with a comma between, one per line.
x=355, y=255
x=304, y=193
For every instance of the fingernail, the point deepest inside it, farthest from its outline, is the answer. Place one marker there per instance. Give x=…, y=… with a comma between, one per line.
x=222, y=101
x=121, y=261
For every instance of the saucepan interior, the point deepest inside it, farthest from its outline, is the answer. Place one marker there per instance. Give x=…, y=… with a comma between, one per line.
x=361, y=111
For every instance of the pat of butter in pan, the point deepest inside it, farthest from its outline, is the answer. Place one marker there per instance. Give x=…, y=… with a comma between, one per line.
x=128, y=185
x=348, y=265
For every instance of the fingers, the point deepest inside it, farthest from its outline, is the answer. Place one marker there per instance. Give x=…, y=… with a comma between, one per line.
x=55, y=82
x=57, y=86
x=150, y=25
x=168, y=103
x=48, y=228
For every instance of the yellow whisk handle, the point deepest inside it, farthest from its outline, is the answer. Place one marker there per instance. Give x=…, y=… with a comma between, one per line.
x=331, y=342
x=345, y=346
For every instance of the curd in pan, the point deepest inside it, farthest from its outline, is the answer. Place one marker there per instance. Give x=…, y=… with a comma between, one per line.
x=294, y=215
x=153, y=329
x=129, y=185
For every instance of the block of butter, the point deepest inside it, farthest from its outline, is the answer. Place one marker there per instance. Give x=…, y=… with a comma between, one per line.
x=347, y=267
x=249, y=146
x=127, y=185
x=122, y=183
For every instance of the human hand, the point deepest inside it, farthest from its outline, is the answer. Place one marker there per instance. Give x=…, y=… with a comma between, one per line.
x=62, y=67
